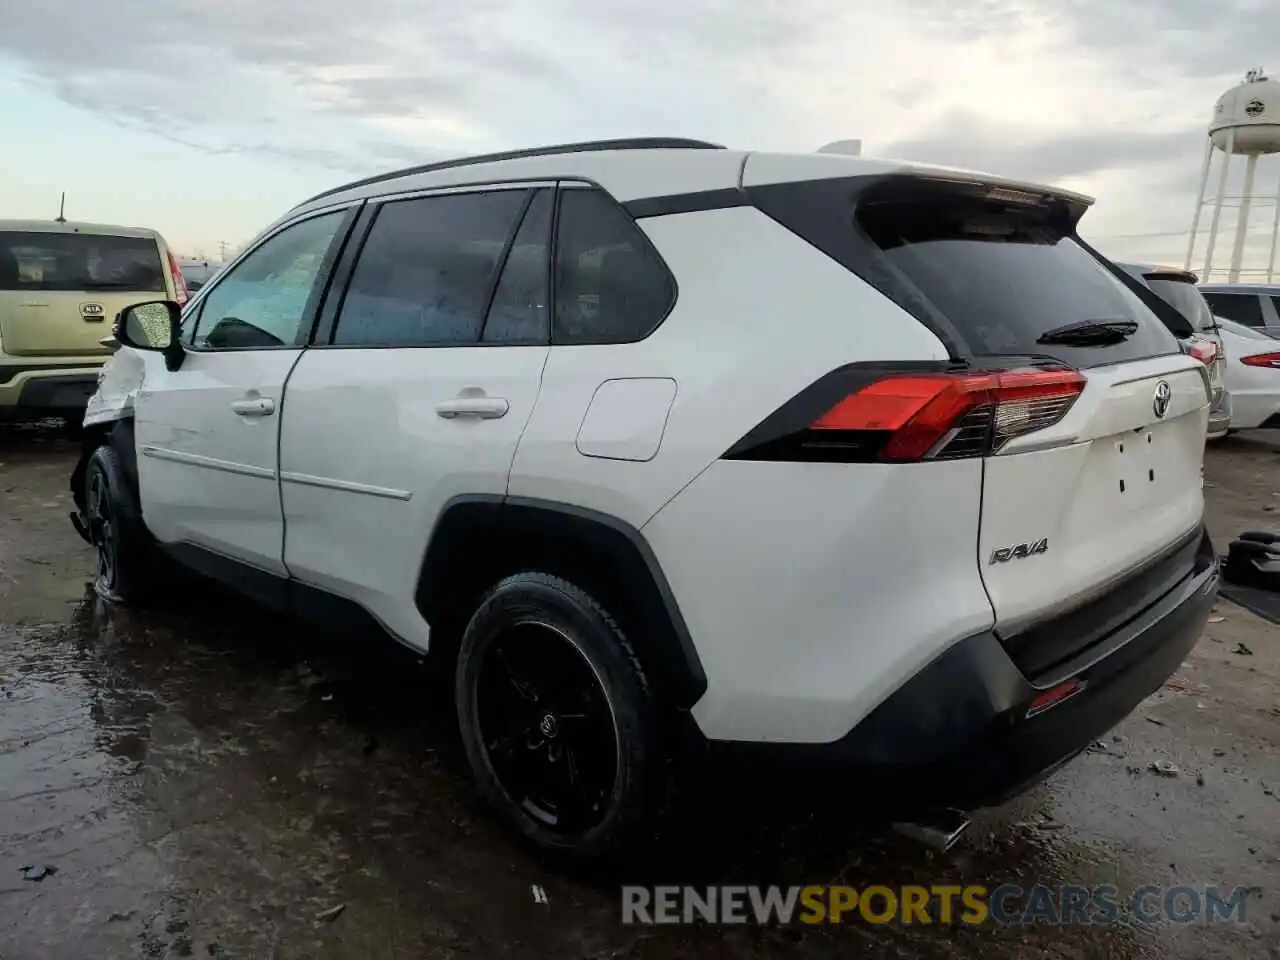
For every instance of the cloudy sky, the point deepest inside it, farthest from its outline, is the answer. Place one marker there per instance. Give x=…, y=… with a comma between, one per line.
x=207, y=118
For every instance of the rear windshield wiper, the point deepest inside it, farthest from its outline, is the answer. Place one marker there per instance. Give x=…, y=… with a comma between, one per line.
x=1090, y=333
x=116, y=285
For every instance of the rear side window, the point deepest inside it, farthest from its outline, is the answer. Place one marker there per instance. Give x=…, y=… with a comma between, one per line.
x=1243, y=308
x=426, y=270
x=1010, y=279
x=52, y=262
x=1185, y=297
x=611, y=285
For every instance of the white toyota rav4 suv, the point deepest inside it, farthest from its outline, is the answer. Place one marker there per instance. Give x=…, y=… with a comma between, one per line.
x=662, y=443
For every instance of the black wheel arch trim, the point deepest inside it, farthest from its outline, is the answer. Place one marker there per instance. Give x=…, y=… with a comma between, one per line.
x=664, y=643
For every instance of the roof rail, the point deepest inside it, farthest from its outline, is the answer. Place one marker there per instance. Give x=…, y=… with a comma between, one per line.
x=587, y=146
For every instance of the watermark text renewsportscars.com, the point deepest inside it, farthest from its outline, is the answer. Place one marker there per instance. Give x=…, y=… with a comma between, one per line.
x=1005, y=905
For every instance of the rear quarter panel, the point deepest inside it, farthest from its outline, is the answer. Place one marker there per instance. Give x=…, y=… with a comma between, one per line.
x=760, y=315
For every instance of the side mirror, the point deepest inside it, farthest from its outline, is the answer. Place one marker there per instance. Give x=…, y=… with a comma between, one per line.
x=155, y=326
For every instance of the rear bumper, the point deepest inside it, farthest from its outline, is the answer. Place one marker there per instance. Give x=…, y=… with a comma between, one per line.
x=1220, y=416
x=34, y=396
x=963, y=733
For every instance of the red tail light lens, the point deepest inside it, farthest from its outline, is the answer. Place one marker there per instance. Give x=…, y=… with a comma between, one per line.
x=181, y=294
x=1206, y=351
x=1262, y=360
x=944, y=416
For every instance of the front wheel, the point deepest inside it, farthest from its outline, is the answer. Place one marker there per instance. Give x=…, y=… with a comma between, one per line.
x=558, y=720
x=115, y=529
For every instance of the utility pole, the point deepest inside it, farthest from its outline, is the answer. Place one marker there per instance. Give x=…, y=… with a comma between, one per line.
x=222, y=251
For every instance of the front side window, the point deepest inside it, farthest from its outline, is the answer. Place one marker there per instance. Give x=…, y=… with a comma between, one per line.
x=426, y=270
x=1243, y=308
x=611, y=285
x=263, y=300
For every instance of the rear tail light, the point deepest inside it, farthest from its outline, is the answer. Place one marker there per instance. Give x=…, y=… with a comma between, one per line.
x=947, y=416
x=907, y=417
x=180, y=292
x=1262, y=360
x=1206, y=351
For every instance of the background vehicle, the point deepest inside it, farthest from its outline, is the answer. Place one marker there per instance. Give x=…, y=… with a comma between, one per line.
x=197, y=273
x=60, y=286
x=703, y=467
x=1178, y=289
x=1249, y=304
x=1253, y=376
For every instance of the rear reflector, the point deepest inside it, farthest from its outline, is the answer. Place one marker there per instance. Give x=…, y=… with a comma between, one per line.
x=944, y=416
x=1262, y=360
x=1054, y=696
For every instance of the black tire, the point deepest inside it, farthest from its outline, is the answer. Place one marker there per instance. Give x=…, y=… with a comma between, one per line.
x=125, y=558
x=595, y=693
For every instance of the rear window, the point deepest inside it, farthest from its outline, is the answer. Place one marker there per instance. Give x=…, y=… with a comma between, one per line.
x=1004, y=276
x=78, y=261
x=1185, y=297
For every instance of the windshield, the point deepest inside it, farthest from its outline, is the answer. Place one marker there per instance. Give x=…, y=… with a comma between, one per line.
x=1183, y=296
x=76, y=261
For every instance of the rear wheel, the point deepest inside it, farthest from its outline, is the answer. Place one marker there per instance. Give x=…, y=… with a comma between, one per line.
x=558, y=720
x=114, y=522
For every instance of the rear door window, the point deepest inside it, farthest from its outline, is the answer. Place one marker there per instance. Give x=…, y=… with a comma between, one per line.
x=49, y=262
x=1243, y=308
x=521, y=308
x=1009, y=279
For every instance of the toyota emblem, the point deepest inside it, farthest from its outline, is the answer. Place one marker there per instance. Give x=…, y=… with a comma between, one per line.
x=1160, y=402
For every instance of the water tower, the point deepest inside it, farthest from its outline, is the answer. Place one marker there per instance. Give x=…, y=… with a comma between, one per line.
x=1246, y=120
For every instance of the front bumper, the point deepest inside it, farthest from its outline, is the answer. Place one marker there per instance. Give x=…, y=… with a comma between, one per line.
x=963, y=734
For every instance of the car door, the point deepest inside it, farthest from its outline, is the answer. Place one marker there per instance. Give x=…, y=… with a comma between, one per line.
x=420, y=391
x=207, y=433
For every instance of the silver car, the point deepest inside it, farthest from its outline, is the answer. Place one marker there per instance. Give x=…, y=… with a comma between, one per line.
x=1178, y=289
x=1255, y=305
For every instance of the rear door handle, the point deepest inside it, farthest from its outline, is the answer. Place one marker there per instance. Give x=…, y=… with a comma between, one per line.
x=482, y=408
x=260, y=407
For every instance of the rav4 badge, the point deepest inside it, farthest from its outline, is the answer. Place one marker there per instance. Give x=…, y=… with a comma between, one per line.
x=1020, y=551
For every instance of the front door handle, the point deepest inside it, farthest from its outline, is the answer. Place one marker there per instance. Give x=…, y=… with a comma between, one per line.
x=259, y=407
x=482, y=408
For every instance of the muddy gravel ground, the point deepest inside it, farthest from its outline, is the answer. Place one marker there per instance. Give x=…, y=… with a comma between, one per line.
x=204, y=779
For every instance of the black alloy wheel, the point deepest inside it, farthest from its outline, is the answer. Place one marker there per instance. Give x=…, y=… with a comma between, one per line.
x=547, y=726
x=560, y=725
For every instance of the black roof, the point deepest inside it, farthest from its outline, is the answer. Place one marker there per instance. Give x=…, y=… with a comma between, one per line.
x=634, y=143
